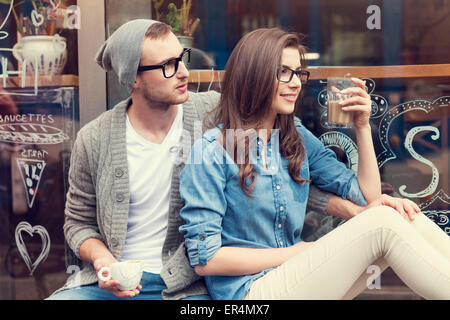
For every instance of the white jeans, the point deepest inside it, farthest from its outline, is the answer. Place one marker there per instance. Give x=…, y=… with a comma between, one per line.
x=334, y=267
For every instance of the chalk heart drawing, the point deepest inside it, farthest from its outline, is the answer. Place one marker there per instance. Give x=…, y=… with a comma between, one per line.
x=388, y=154
x=45, y=239
x=379, y=104
x=36, y=18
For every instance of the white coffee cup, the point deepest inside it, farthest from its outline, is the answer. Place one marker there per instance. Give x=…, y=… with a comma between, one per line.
x=128, y=273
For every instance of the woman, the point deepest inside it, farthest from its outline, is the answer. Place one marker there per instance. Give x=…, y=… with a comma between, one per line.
x=246, y=185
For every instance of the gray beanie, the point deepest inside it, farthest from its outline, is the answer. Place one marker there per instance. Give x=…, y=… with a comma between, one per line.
x=121, y=52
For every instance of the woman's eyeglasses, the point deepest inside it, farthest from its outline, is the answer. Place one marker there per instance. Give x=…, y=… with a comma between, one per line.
x=285, y=74
x=170, y=67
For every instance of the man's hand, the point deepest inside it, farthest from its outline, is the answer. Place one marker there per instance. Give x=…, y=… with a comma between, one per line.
x=403, y=206
x=95, y=252
x=111, y=285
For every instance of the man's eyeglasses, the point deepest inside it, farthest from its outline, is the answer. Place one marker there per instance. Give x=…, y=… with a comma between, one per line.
x=285, y=74
x=170, y=67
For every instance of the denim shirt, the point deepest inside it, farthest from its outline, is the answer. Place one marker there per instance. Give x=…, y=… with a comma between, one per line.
x=218, y=213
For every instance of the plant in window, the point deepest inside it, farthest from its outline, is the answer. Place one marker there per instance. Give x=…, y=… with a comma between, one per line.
x=178, y=18
x=157, y=5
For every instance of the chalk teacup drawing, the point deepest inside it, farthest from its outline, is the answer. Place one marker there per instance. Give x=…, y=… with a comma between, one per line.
x=128, y=273
x=47, y=54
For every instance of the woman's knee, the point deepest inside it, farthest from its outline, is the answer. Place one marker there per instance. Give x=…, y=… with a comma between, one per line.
x=388, y=212
x=384, y=216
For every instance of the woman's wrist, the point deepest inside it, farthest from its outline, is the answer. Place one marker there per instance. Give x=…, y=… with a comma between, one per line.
x=363, y=129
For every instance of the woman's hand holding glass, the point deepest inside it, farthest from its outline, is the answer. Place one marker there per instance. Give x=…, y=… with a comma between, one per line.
x=360, y=103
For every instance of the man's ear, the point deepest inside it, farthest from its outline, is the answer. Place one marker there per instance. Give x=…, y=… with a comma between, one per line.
x=136, y=83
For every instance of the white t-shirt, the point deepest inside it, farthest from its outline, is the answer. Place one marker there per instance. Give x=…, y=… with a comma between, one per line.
x=150, y=171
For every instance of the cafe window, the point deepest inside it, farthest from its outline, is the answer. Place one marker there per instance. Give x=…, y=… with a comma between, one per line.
x=39, y=113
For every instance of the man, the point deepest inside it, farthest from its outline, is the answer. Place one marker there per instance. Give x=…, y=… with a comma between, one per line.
x=123, y=201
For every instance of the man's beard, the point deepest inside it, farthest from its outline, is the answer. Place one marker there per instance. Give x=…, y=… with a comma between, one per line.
x=162, y=102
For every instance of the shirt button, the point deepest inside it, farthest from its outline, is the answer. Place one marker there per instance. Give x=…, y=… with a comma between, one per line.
x=279, y=226
x=281, y=208
x=270, y=149
x=281, y=243
x=278, y=187
x=272, y=167
x=202, y=238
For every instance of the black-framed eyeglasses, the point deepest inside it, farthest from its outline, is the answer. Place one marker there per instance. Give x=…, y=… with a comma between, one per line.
x=170, y=67
x=285, y=74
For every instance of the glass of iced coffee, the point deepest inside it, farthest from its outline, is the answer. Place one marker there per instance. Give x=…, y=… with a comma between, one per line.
x=338, y=118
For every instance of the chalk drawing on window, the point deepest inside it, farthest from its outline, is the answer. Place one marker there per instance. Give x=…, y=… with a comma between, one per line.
x=342, y=141
x=45, y=239
x=435, y=172
x=432, y=200
x=4, y=34
x=441, y=218
x=31, y=133
x=388, y=153
x=423, y=105
x=6, y=73
x=31, y=172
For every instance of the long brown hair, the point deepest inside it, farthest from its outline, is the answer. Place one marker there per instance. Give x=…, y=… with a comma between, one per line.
x=248, y=88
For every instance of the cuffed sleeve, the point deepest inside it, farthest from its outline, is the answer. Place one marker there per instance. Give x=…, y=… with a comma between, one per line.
x=201, y=248
x=354, y=193
x=202, y=185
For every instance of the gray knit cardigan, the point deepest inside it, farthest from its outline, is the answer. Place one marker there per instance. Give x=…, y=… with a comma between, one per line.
x=98, y=198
